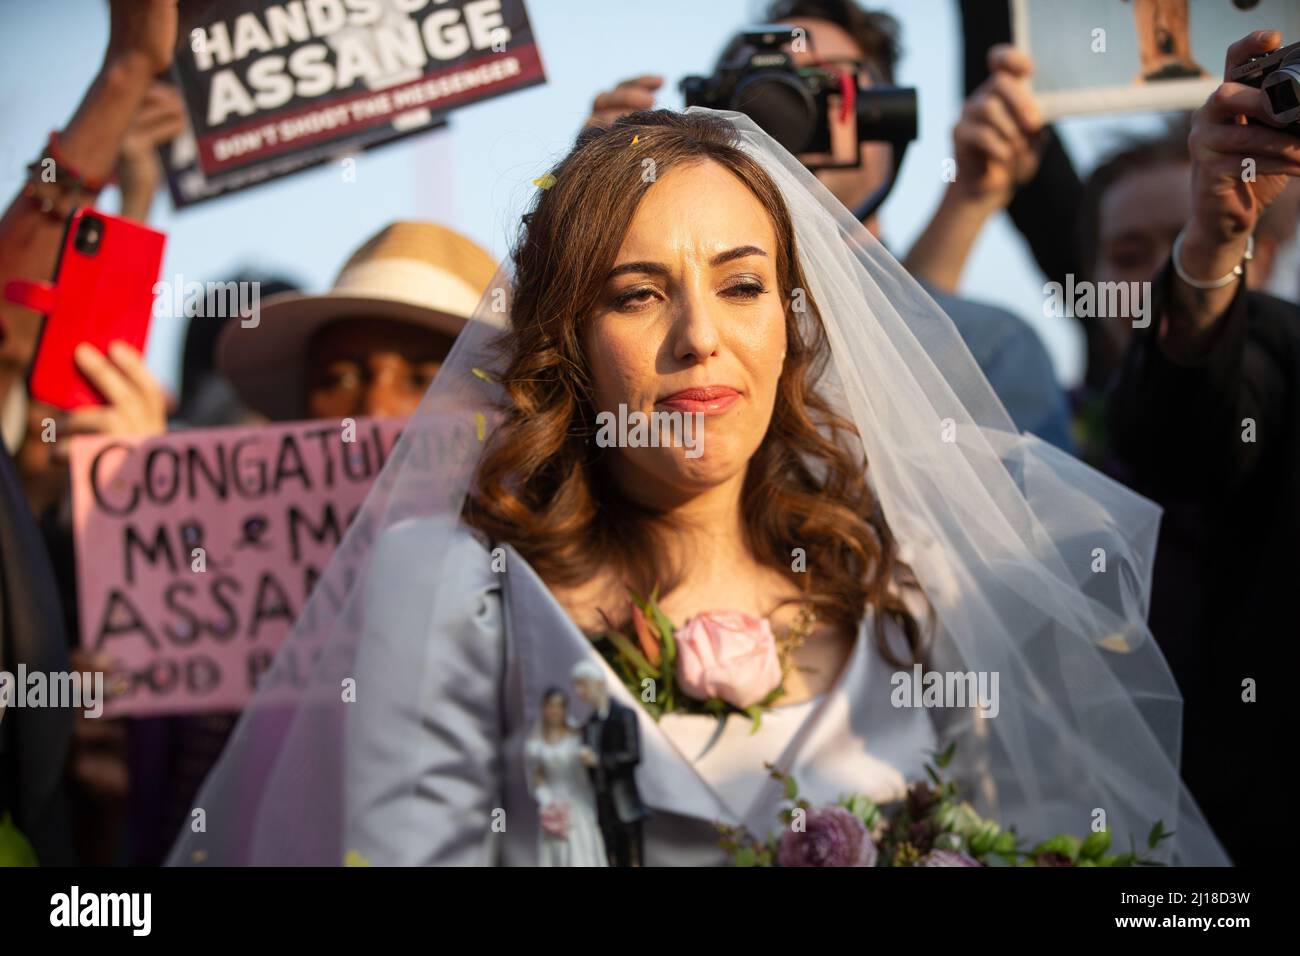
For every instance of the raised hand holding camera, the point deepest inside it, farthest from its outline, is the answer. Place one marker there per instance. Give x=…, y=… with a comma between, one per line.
x=1238, y=168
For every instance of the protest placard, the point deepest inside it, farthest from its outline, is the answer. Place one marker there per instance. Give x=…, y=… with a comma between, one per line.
x=196, y=550
x=188, y=186
x=269, y=83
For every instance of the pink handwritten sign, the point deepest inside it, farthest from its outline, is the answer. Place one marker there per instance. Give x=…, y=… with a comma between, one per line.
x=196, y=550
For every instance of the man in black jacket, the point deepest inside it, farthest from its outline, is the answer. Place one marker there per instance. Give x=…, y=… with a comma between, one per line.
x=1206, y=417
x=612, y=752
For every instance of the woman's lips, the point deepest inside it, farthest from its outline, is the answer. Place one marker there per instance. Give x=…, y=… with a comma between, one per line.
x=713, y=400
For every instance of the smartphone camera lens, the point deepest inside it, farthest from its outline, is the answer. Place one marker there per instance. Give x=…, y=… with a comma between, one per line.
x=90, y=232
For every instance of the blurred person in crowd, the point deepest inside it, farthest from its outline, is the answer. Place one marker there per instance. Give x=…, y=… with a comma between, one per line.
x=161, y=760
x=1134, y=204
x=371, y=344
x=120, y=770
x=206, y=397
x=136, y=406
x=1206, y=418
x=142, y=36
x=34, y=742
x=1007, y=349
x=117, y=122
x=1052, y=193
x=123, y=117
x=1131, y=208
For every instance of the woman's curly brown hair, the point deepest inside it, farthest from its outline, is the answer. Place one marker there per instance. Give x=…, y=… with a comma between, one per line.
x=541, y=484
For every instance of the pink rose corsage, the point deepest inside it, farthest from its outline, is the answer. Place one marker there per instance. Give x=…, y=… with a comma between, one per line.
x=729, y=655
x=717, y=663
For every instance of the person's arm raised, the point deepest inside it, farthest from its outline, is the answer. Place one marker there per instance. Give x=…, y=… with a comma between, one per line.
x=1214, y=363
x=160, y=119
x=1237, y=170
x=996, y=141
x=142, y=36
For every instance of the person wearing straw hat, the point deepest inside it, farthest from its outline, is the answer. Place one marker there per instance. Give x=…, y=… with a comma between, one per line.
x=373, y=342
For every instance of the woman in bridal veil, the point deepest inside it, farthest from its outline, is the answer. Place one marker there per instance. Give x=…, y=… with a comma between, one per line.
x=665, y=252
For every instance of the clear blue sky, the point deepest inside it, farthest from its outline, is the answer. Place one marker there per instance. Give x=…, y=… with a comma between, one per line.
x=477, y=175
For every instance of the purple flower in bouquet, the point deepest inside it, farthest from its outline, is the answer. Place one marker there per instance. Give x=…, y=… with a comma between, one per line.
x=833, y=836
x=947, y=858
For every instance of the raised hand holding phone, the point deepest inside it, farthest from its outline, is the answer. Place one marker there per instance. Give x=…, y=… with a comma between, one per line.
x=102, y=292
x=136, y=402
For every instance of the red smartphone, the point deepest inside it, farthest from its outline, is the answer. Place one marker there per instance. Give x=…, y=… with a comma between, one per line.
x=103, y=291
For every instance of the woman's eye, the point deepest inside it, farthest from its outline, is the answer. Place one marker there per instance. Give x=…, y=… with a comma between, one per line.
x=421, y=377
x=341, y=378
x=746, y=289
x=634, y=298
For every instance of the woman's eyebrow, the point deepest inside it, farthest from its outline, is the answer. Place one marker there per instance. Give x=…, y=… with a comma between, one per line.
x=658, y=268
x=740, y=252
x=653, y=268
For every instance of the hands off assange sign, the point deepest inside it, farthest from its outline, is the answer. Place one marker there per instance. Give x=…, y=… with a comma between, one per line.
x=264, y=81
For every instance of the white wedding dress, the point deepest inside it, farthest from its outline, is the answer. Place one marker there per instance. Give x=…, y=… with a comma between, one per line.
x=563, y=779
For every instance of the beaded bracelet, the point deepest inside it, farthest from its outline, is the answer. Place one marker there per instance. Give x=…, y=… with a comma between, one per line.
x=67, y=187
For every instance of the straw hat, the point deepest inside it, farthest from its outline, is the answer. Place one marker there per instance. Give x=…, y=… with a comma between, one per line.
x=415, y=272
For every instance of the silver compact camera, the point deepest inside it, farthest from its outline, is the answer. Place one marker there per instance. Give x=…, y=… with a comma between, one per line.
x=1278, y=75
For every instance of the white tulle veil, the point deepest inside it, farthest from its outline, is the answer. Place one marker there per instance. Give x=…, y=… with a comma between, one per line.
x=1038, y=568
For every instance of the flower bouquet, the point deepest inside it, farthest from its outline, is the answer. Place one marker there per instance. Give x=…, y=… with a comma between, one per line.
x=931, y=826
x=554, y=818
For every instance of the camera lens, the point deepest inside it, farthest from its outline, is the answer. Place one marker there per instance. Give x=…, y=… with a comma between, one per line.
x=1283, y=90
x=781, y=107
x=90, y=231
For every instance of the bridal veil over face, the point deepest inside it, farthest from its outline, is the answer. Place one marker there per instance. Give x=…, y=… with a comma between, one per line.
x=1038, y=569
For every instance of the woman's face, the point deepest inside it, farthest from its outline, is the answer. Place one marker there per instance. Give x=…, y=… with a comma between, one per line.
x=374, y=367
x=554, y=710
x=692, y=302
x=1140, y=216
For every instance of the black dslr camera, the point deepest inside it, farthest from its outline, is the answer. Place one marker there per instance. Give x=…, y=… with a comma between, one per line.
x=792, y=104
x=1278, y=75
